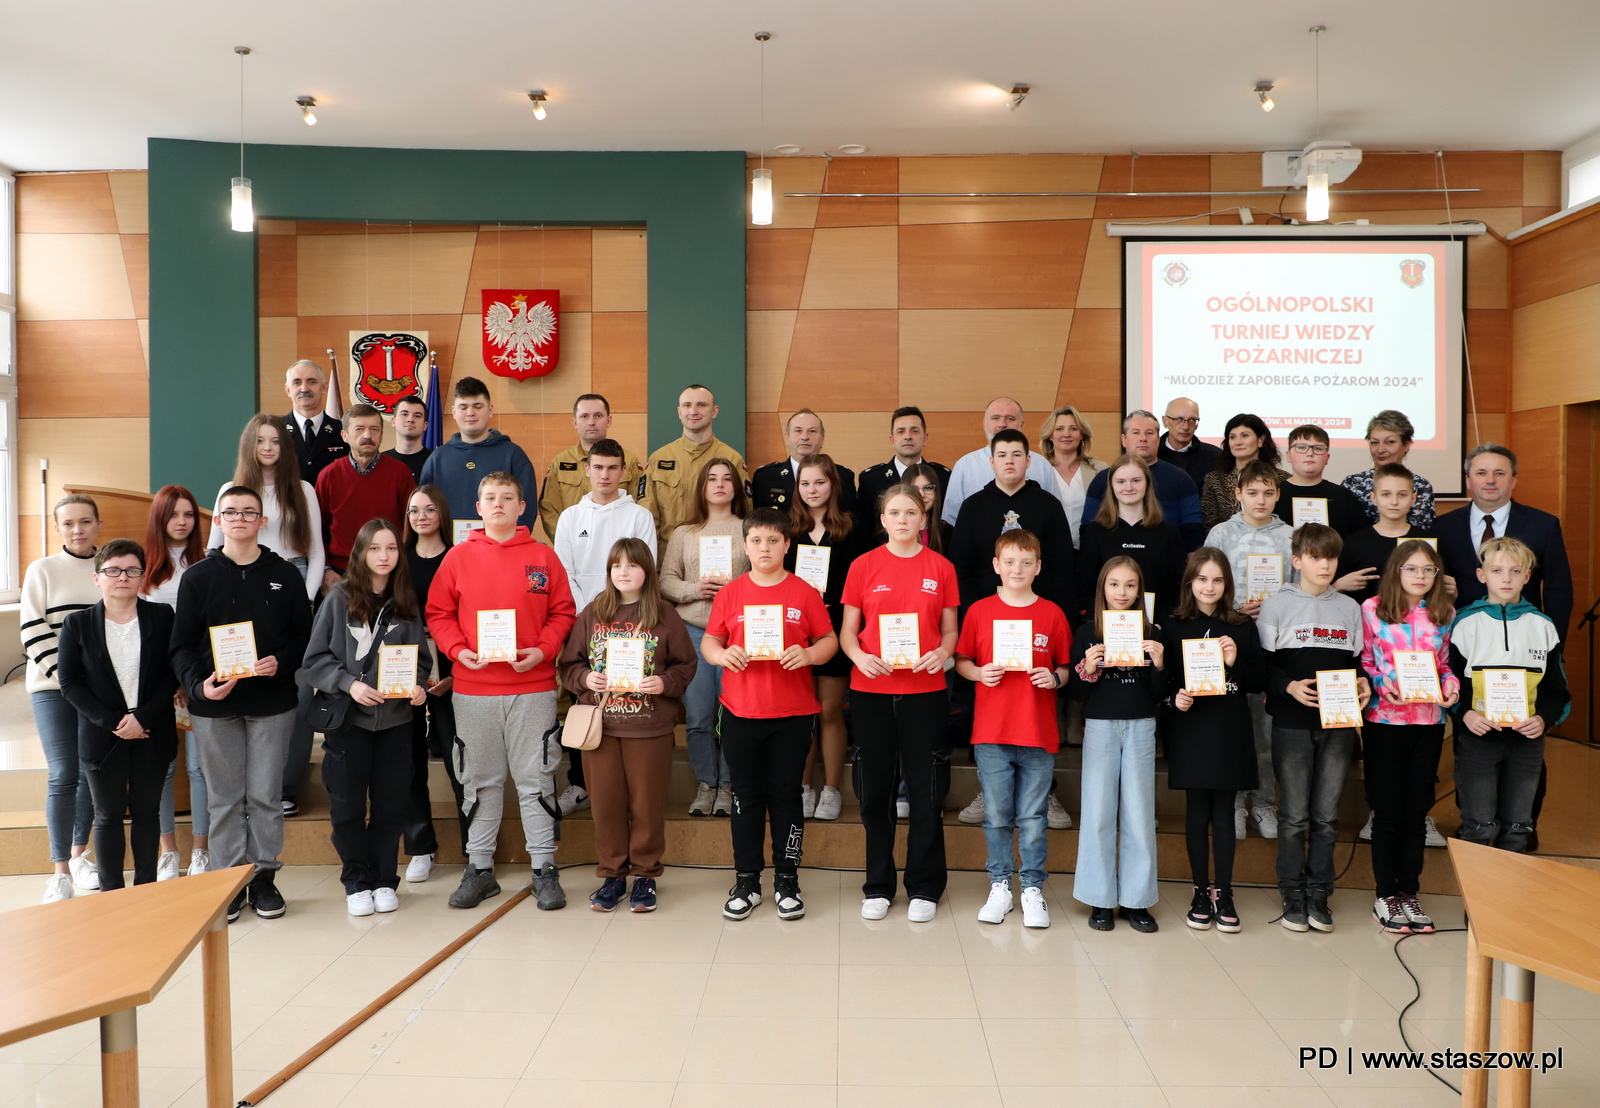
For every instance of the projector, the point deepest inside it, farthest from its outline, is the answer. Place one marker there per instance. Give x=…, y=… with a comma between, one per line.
x=1337, y=159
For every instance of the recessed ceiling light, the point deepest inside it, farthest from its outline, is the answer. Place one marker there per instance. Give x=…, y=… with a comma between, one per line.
x=787, y=148
x=852, y=148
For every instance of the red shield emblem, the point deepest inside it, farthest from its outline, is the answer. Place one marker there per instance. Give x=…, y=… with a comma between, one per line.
x=521, y=331
x=386, y=368
x=1411, y=272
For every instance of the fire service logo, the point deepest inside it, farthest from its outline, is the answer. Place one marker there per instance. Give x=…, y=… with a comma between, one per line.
x=1411, y=272
x=520, y=331
x=386, y=367
x=1175, y=274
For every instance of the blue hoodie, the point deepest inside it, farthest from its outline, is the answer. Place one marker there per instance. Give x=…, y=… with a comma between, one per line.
x=458, y=466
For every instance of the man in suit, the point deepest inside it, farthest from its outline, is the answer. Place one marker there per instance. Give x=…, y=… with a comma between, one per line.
x=318, y=437
x=908, y=430
x=1180, y=446
x=773, y=484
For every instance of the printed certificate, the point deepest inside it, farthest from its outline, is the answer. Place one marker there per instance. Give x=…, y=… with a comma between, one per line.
x=624, y=664
x=397, y=671
x=716, y=556
x=1431, y=542
x=1013, y=644
x=1309, y=509
x=1337, y=699
x=497, y=635
x=1263, y=575
x=811, y=565
x=1417, y=672
x=763, y=632
x=1123, y=634
x=461, y=528
x=1203, y=671
x=1505, y=696
x=233, y=650
x=898, y=639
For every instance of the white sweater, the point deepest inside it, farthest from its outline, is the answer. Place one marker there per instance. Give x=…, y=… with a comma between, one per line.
x=52, y=589
x=272, y=538
x=587, y=531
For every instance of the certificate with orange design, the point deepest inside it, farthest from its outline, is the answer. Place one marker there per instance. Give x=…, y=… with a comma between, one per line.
x=1013, y=644
x=397, y=671
x=1417, y=674
x=1505, y=696
x=233, y=650
x=898, y=639
x=1123, y=634
x=1203, y=671
x=1337, y=701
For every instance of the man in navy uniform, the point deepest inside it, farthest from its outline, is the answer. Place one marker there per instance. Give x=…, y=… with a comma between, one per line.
x=773, y=483
x=318, y=437
x=908, y=430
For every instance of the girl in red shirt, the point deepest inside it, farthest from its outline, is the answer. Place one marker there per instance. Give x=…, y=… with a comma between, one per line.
x=900, y=631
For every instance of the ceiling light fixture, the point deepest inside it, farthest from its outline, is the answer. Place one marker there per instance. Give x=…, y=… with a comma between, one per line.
x=538, y=97
x=787, y=148
x=852, y=148
x=1262, y=90
x=1019, y=93
x=306, y=104
x=243, y=210
x=761, y=178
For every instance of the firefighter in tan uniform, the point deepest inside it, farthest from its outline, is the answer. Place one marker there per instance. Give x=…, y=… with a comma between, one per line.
x=669, y=475
x=567, y=480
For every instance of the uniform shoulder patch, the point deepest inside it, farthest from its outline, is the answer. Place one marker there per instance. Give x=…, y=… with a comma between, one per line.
x=569, y=466
x=666, y=463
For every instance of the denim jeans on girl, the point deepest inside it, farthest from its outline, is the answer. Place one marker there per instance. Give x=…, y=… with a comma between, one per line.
x=68, y=806
x=1119, y=802
x=199, y=815
x=700, y=702
x=1016, y=791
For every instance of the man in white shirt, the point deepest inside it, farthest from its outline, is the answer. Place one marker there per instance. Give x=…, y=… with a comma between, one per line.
x=318, y=437
x=973, y=471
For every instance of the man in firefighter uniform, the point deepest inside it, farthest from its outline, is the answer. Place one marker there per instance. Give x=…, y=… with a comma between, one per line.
x=773, y=484
x=567, y=480
x=672, y=471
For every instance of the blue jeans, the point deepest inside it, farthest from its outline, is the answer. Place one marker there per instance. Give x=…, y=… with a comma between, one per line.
x=1016, y=791
x=1119, y=800
x=1311, y=766
x=68, y=807
x=199, y=814
x=700, y=718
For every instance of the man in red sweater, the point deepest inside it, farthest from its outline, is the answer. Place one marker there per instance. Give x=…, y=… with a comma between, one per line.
x=362, y=485
x=499, y=582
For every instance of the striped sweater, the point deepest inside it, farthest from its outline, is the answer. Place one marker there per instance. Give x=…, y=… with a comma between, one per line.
x=53, y=588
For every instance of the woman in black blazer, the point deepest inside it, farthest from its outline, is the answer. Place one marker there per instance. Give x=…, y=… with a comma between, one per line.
x=126, y=743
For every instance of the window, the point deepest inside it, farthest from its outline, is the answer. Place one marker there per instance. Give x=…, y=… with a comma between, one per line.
x=1583, y=181
x=10, y=576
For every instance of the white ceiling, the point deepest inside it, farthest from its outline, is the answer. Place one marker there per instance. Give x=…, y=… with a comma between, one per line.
x=83, y=84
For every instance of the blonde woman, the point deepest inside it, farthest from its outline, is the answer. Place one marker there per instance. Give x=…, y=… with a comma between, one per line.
x=1065, y=444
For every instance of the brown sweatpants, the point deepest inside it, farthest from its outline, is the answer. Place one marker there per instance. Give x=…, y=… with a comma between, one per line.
x=628, y=781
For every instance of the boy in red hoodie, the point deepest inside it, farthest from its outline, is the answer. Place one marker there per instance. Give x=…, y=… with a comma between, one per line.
x=505, y=710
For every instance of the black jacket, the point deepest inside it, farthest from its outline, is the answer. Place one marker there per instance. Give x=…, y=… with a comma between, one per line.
x=1159, y=550
x=329, y=445
x=89, y=683
x=1366, y=549
x=1345, y=514
x=772, y=486
x=1117, y=692
x=1550, y=587
x=1197, y=461
x=987, y=514
x=874, y=480
x=1211, y=746
x=271, y=594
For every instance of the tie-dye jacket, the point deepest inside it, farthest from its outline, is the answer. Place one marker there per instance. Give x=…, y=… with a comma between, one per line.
x=1379, y=642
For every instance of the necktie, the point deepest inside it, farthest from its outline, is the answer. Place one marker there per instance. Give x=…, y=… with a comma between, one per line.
x=310, y=434
x=1488, y=529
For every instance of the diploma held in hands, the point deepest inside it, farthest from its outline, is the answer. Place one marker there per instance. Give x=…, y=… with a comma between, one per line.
x=1203, y=671
x=233, y=650
x=1013, y=644
x=763, y=632
x=1123, y=634
x=1263, y=575
x=1337, y=702
x=897, y=640
x=1505, y=696
x=716, y=556
x=1310, y=509
x=461, y=528
x=1417, y=673
x=811, y=565
x=397, y=671
x=624, y=664
x=497, y=635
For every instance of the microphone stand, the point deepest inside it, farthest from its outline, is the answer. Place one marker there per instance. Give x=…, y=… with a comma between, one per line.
x=1590, y=618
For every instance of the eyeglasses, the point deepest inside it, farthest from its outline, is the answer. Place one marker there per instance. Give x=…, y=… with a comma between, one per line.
x=430, y=510
x=1315, y=449
x=1420, y=571
x=1182, y=419
x=131, y=572
x=249, y=515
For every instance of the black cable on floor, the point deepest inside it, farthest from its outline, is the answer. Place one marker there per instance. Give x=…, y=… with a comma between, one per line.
x=1401, y=1021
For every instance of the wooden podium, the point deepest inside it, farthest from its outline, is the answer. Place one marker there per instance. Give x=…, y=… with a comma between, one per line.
x=1500, y=889
x=103, y=955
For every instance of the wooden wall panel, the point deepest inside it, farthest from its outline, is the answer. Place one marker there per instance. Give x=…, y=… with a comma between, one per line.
x=113, y=452
x=130, y=198
x=277, y=348
x=844, y=360
x=853, y=267
x=621, y=359
x=1536, y=436
x=1555, y=349
x=1489, y=347
x=1091, y=374
x=90, y=367
x=619, y=277
x=277, y=275
x=425, y=274
x=136, y=262
x=1497, y=174
x=775, y=267
x=65, y=203
x=1044, y=173
x=860, y=175
x=992, y=265
x=794, y=175
x=1549, y=263
x=1155, y=173
x=768, y=338
x=960, y=360
x=522, y=258
x=1541, y=178
x=72, y=276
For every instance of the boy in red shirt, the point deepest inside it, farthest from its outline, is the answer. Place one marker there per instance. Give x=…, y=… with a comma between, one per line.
x=767, y=629
x=505, y=710
x=1017, y=647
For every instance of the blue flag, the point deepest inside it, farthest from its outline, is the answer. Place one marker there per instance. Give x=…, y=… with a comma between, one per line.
x=433, y=437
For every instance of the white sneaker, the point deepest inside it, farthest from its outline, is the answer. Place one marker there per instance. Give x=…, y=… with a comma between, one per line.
x=1035, y=913
x=1056, y=817
x=873, y=907
x=359, y=904
x=1266, y=817
x=808, y=802
x=385, y=900
x=704, y=797
x=59, y=887
x=1240, y=815
x=573, y=798
x=902, y=809
x=1365, y=834
x=724, y=804
x=1431, y=836
x=199, y=861
x=420, y=868
x=829, y=803
x=85, y=874
x=167, y=866
x=973, y=813
x=999, y=903
x=920, y=910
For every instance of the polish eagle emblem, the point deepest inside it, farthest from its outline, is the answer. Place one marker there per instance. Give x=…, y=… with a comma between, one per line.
x=520, y=331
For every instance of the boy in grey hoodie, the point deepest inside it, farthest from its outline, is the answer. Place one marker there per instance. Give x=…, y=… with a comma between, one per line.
x=1254, y=529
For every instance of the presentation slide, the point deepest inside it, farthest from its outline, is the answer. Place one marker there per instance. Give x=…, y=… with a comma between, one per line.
x=1303, y=331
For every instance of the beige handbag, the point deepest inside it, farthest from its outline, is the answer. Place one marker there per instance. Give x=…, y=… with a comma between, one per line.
x=582, y=729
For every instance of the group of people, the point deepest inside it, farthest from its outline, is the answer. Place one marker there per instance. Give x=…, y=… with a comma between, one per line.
x=398, y=603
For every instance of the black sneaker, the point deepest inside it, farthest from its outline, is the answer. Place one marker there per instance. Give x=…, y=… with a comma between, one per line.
x=1294, y=910
x=786, y=894
x=1140, y=919
x=1200, y=914
x=236, y=906
x=1223, y=911
x=609, y=894
x=291, y=807
x=643, y=897
x=743, y=897
x=265, y=897
x=477, y=885
x=1102, y=919
x=1317, y=912
x=547, y=888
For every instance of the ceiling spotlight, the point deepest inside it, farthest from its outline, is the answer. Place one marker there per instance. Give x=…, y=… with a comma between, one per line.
x=852, y=148
x=787, y=148
x=1262, y=89
x=1019, y=93
x=306, y=104
x=538, y=98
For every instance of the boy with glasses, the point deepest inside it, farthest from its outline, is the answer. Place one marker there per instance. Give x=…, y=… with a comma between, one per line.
x=1308, y=453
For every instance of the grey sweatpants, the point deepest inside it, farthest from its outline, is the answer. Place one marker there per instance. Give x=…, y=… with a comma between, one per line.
x=242, y=759
x=500, y=734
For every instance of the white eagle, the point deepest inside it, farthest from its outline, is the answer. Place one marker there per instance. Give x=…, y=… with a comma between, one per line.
x=519, y=330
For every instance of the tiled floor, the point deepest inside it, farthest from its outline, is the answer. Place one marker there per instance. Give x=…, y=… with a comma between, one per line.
x=574, y=1008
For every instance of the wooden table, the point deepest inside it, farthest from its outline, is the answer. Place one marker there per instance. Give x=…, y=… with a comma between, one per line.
x=103, y=955
x=1534, y=916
